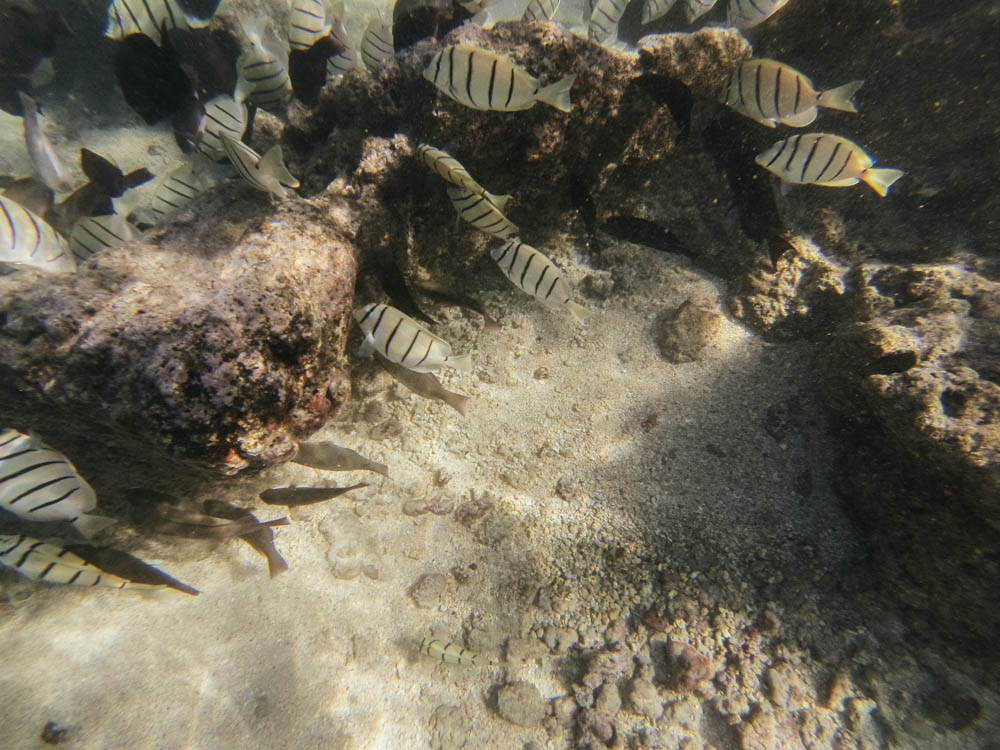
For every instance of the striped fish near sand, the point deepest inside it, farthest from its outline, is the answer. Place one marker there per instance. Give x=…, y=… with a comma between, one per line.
x=376, y=45
x=531, y=271
x=655, y=9
x=481, y=212
x=695, y=9
x=266, y=173
x=540, y=10
x=745, y=14
x=485, y=80
x=262, y=70
x=450, y=169
x=450, y=653
x=825, y=159
x=224, y=115
x=307, y=24
x=127, y=17
x=39, y=484
x=347, y=60
x=401, y=339
x=771, y=92
x=177, y=189
x=38, y=561
x=94, y=233
x=27, y=240
x=604, y=20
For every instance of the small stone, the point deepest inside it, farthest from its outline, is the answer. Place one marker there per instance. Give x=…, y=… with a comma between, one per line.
x=53, y=734
x=564, y=709
x=644, y=699
x=599, y=284
x=608, y=701
x=520, y=703
x=687, y=330
x=460, y=574
x=690, y=667
x=542, y=373
x=429, y=589
x=559, y=640
x=470, y=512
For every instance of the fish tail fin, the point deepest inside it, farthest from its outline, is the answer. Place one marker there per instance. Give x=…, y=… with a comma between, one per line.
x=276, y=564
x=273, y=165
x=500, y=201
x=91, y=525
x=283, y=521
x=254, y=27
x=462, y=363
x=456, y=401
x=579, y=312
x=557, y=94
x=483, y=19
x=840, y=97
x=880, y=180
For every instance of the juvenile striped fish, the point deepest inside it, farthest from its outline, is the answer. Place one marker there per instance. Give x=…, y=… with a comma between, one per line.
x=26, y=239
x=485, y=80
x=333, y=457
x=771, y=92
x=540, y=10
x=93, y=233
x=39, y=484
x=481, y=213
x=695, y=9
x=38, y=561
x=307, y=24
x=266, y=173
x=262, y=70
x=604, y=20
x=451, y=653
x=449, y=168
x=224, y=115
x=825, y=159
x=745, y=14
x=655, y=9
x=401, y=339
x=127, y=17
x=537, y=275
x=293, y=496
x=48, y=166
x=176, y=190
x=377, y=45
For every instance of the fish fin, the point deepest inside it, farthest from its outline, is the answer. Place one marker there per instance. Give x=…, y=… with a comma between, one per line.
x=840, y=97
x=272, y=165
x=254, y=27
x=769, y=123
x=799, y=120
x=455, y=400
x=91, y=525
x=557, y=94
x=786, y=187
x=500, y=201
x=484, y=19
x=579, y=312
x=462, y=362
x=367, y=346
x=880, y=180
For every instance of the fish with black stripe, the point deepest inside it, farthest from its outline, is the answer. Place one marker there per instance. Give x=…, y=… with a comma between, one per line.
x=695, y=9
x=771, y=92
x=745, y=14
x=449, y=168
x=540, y=10
x=177, y=189
x=377, y=45
x=653, y=10
x=262, y=70
x=267, y=173
x=39, y=561
x=484, y=80
x=127, y=17
x=532, y=272
x=40, y=484
x=481, y=212
x=307, y=24
x=401, y=339
x=224, y=115
x=28, y=240
x=825, y=159
x=346, y=60
x=604, y=20
x=94, y=233
x=450, y=653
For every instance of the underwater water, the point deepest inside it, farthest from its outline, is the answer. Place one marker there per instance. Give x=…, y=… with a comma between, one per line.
x=415, y=375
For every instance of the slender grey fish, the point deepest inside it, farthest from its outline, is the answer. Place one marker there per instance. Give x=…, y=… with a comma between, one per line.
x=261, y=539
x=426, y=385
x=43, y=156
x=292, y=496
x=164, y=514
x=333, y=457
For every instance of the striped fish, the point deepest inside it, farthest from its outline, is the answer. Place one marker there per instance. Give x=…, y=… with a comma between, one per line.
x=127, y=17
x=38, y=561
x=177, y=189
x=262, y=69
x=540, y=10
x=267, y=172
x=93, y=233
x=604, y=20
x=224, y=115
x=537, y=275
x=825, y=159
x=376, y=44
x=771, y=92
x=401, y=339
x=655, y=9
x=695, y=9
x=451, y=653
x=343, y=62
x=43, y=156
x=484, y=80
x=745, y=14
x=307, y=24
x=449, y=168
x=481, y=212
x=40, y=484
x=26, y=239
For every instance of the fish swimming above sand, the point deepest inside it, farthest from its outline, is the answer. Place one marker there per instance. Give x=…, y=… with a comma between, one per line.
x=262, y=69
x=94, y=233
x=40, y=484
x=333, y=457
x=604, y=20
x=43, y=156
x=771, y=92
x=745, y=14
x=377, y=45
x=825, y=159
x=307, y=24
x=450, y=653
x=295, y=496
x=261, y=539
x=401, y=339
x=224, y=115
x=127, y=17
x=266, y=173
x=346, y=60
x=177, y=189
x=653, y=10
x=540, y=10
x=426, y=385
x=164, y=514
x=484, y=80
x=39, y=561
x=481, y=212
x=449, y=168
x=531, y=271
x=695, y=9
x=27, y=240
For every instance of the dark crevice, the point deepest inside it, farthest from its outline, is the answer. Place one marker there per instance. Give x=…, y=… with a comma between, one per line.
x=644, y=232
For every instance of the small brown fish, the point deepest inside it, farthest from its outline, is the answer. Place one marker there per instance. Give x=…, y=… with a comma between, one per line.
x=163, y=514
x=292, y=496
x=332, y=457
x=444, y=294
x=426, y=385
x=31, y=193
x=261, y=539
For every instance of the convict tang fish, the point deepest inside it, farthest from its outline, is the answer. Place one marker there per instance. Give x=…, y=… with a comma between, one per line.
x=481, y=212
x=449, y=168
x=267, y=173
x=39, y=561
x=401, y=339
x=745, y=14
x=537, y=275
